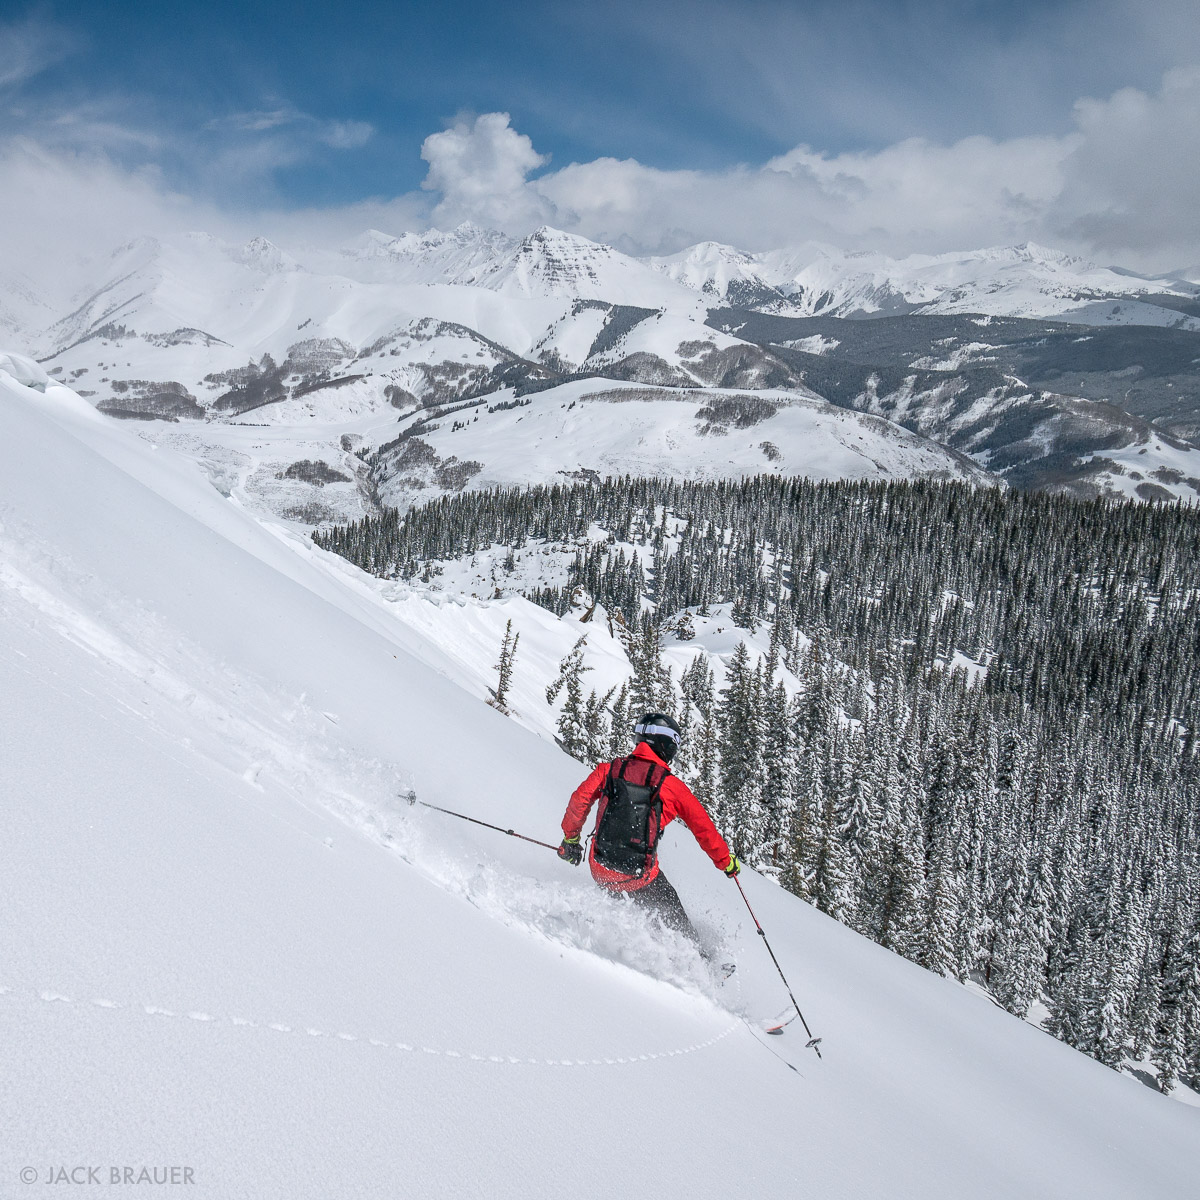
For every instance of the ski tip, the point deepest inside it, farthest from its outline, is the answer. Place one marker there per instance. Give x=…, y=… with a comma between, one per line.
x=775, y=1029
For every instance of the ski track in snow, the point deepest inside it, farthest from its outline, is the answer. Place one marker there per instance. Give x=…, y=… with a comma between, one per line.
x=280, y=738
x=151, y=1010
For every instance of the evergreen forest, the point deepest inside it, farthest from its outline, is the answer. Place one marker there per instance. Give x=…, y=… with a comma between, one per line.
x=973, y=738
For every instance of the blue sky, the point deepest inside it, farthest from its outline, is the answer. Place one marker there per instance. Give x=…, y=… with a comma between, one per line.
x=673, y=85
x=322, y=106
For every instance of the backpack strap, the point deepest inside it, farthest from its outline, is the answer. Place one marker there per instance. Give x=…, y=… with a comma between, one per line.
x=616, y=770
x=656, y=802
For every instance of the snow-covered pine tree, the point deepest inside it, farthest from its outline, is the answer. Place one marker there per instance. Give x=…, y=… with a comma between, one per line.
x=779, y=752
x=504, y=669
x=595, y=726
x=572, y=720
x=1176, y=1050
x=832, y=881
x=650, y=686
x=620, y=726
x=740, y=725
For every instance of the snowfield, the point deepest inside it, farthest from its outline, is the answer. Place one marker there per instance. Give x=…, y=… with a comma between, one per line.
x=229, y=943
x=596, y=428
x=1019, y=281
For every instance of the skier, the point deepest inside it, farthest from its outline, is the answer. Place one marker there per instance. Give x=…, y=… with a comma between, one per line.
x=638, y=798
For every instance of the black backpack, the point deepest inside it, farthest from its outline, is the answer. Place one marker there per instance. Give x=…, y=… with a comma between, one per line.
x=626, y=836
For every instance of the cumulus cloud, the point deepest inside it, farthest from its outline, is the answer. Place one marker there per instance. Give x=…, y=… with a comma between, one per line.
x=1133, y=176
x=1118, y=185
x=1121, y=184
x=480, y=167
x=911, y=196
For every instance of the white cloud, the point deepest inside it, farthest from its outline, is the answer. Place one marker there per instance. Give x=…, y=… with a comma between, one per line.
x=1120, y=186
x=911, y=196
x=338, y=135
x=345, y=135
x=57, y=208
x=480, y=169
x=1133, y=177
x=60, y=208
x=29, y=47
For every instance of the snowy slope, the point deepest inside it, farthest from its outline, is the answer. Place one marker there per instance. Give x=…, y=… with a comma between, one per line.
x=25, y=308
x=430, y=257
x=226, y=945
x=595, y=428
x=728, y=275
x=550, y=262
x=1016, y=281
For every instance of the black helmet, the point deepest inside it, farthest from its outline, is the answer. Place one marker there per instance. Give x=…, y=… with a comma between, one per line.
x=660, y=733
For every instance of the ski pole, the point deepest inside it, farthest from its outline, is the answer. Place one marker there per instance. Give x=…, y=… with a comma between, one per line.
x=814, y=1042
x=476, y=821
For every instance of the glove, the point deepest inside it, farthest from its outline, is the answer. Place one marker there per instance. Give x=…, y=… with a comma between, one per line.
x=571, y=850
x=734, y=866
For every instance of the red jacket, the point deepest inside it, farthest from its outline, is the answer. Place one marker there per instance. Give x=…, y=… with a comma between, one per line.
x=677, y=801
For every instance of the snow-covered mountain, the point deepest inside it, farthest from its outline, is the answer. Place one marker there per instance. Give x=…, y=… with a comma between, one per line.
x=728, y=275
x=546, y=263
x=349, y=350
x=550, y=262
x=805, y=280
x=213, y=338
x=1011, y=281
x=235, y=948
x=430, y=257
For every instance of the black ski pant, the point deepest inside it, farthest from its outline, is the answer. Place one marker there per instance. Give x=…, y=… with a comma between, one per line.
x=660, y=897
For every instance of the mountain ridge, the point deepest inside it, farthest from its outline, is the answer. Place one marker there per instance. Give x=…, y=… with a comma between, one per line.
x=1045, y=369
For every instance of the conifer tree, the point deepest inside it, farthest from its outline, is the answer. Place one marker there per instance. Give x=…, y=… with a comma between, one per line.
x=1177, y=1037
x=620, y=725
x=649, y=687
x=831, y=885
x=902, y=908
x=778, y=772
x=595, y=728
x=572, y=721
x=740, y=739
x=504, y=669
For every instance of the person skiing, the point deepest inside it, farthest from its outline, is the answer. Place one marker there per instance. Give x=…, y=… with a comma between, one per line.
x=638, y=798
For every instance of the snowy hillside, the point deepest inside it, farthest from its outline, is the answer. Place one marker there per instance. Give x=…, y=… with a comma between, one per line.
x=430, y=257
x=581, y=430
x=340, y=352
x=730, y=276
x=1012, y=281
x=550, y=262
x=232, y=946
